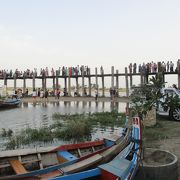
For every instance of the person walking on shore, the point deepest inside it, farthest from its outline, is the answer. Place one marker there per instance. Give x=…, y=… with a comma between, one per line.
x=41, y=94
x=34, y=94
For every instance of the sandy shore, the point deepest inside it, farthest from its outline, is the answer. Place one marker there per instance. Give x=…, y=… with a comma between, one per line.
x=52, y=99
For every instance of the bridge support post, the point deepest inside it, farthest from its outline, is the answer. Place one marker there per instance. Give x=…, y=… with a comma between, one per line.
x=24, y=84
x=131, y=80
x=127, y=83
x=69, y=85
x=77, y=86
x=89, y=80
x=117, y=83
x=54, y=86
x=43, y=87
x=112, y=77
x=96, y=75
x=57, y=83
x=33, y=81
x=5, y=79
x=82, y=80
x=103, y=88
x=65, y=83
x=15, y=82
x=45, y=83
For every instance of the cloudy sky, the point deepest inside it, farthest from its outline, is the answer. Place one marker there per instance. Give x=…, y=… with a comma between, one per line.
x=53, y=33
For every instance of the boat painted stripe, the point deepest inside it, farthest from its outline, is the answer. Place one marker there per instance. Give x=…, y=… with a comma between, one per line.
x=79, y=145
x=81, y=175
x=134, y=163
x=129, y=169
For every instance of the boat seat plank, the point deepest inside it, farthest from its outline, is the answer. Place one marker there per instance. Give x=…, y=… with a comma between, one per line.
x=82, y=164
x=64, y=156
x=112, y=137
x=118, y=167
x=17, y=166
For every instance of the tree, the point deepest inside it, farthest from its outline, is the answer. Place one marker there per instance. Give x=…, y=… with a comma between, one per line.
x=150, y=95
x=146, y=96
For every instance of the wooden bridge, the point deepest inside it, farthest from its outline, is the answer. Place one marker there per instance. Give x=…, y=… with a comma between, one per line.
x=114, y=75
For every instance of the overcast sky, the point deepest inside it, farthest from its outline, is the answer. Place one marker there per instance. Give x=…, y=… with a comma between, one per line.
x=53, y=33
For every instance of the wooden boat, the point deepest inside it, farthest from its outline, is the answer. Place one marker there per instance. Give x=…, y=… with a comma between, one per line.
x=46, y=162
x=92, y=161
x=9, y=103
x=124, y=166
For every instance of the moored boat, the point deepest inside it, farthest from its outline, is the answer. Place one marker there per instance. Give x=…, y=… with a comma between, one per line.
x=124, y=166
x=36, y=163
x=95, y=160
x=9, y=103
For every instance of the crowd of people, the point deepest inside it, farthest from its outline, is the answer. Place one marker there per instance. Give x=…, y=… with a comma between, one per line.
x=152, y=67
x=61, y=71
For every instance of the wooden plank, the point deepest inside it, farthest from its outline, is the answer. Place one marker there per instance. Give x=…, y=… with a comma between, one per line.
x=51, y=174
x=79, y=152
x=17, y=166
x=112, y=137
x=81, y=165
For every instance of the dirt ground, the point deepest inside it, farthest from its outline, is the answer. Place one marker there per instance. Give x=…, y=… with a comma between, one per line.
x=172, y=145
x=168, y=134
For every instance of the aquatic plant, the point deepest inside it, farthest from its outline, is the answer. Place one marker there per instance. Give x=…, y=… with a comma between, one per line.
x=75, y=130
x=75, y=127
x=6, y=133
x=107, y=118
x=11, y=144
x=102, y=118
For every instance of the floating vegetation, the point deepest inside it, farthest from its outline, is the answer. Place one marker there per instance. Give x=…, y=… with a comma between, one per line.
x=102, y=118
x=6, y=133
x=74, y=130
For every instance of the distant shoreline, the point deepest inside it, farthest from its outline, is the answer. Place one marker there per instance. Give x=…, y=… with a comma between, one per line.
x=62, y=98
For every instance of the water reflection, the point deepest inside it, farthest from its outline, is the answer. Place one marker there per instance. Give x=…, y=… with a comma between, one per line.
x=35, y=115
x=25, y=104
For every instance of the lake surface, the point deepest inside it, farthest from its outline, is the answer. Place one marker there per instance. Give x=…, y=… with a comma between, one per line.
x=35, y=115
x=40, y=114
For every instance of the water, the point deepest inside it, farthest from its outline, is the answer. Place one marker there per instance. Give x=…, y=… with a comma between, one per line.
x=40, y=114
x=35, y=115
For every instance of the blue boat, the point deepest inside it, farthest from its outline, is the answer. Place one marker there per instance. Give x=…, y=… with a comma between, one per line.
x=10, y=103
